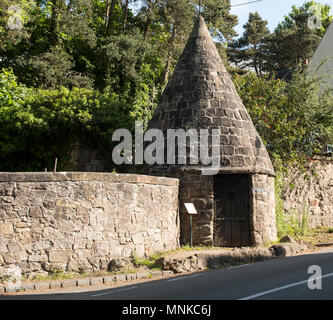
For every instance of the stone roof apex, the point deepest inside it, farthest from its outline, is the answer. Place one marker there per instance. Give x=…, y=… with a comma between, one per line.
x=201, y=95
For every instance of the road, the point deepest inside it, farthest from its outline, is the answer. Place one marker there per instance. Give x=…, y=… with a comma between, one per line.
x=282, y=279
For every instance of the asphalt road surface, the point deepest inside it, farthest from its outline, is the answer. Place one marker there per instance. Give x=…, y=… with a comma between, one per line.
x=280, y=279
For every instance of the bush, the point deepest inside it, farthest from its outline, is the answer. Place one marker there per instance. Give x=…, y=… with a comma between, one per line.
x=36, y=126
x=11, y=93
x=292, y=117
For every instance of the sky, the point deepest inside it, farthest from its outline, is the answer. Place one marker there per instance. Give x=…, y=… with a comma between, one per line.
x=271, y=10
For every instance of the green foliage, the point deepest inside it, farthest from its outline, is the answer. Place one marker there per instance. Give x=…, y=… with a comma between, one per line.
x=291, y=223
x=249, y=50
x=291, y=117
x=292, y=42
x=218, y=17
x=11, y=94
x=102, y=44
x=294, y=223
x=150, y=262
x=36, y=128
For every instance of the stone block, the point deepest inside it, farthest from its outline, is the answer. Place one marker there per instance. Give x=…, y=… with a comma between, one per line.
x=8, y=258
x=137, y=239
x=233, y=140
x=69, y=283
x=96, y=281
x=237, y=161
x=6, y=228
x=228, y=150
x=11, y=289
x=35, y=212
x=38, y=258
x=131, y=276
x=58, y=256
x=55, y=285
x=226, y=122
x=143, y=275
x=156, y=273
x=109, y=279
x=42, y=286
x=120, y=278
x=83, y=282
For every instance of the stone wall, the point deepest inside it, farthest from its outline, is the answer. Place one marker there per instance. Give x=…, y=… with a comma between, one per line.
x=263, y=209
x=199, y=190
x=85, y=158
x=81, y=221
x=311, y=191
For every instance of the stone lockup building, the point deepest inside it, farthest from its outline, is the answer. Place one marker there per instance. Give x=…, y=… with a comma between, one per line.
x=236, y=207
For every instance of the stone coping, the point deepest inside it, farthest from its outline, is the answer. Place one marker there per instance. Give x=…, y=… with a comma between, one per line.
x=227, y=170
x=82, y=282
x=85, y=176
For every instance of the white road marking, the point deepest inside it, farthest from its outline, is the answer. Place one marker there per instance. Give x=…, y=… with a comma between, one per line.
x=185, y=277
x=283, y=288
x=120, y=290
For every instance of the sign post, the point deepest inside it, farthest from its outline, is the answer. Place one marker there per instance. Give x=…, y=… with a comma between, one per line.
x=191, y=210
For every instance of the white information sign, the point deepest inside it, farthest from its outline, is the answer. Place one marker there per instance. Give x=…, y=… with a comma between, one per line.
x=190, y=208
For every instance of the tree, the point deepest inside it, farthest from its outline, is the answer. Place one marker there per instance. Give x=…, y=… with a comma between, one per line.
x=55, y=47
x=292, y=117
x=11, y=93
x=293, y=41
x=219, y=19
x=250, y=49
x=176, y=17
x=149, y=12
x=169, y=23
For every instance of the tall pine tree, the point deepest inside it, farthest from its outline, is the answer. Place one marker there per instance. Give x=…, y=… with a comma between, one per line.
x=250, y=50
x=293, y=42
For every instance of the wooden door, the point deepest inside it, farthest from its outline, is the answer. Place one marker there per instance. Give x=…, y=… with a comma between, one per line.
x=232, y=210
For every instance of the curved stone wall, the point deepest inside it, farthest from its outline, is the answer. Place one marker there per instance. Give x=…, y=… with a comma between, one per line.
x=81, y=221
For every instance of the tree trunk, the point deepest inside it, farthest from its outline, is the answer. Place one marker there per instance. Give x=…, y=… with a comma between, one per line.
x=169, y=57
x=167, y=69
x=107, y=13
x=125, y=15
x=149, y=21
x=147, y=28
x=255, y=59
x=54, y=27
x=110, y=16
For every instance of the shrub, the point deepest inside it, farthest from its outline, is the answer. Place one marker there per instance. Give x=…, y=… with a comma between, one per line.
x=36, y=126
x=293, y=118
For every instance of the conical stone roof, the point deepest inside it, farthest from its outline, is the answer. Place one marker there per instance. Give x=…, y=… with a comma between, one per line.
x=201, y=95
